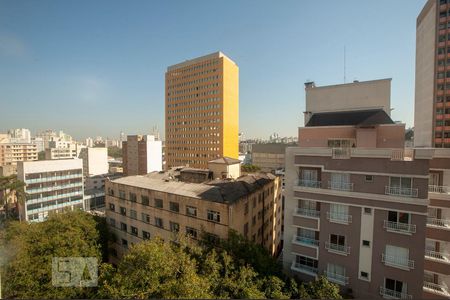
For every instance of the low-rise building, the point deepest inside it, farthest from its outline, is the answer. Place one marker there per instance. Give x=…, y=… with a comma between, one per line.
x=269, y=157
x=162, y=204
x=51, y=186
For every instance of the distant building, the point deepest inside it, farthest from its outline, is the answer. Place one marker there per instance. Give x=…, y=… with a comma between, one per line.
x=20, y=135
x=202, y=111
x=51, y=186
x=95, y=161
x=12, y=151
x=63, y=150
x=186, y=200
x=39, y=142
x=269, y=157
x=89, y=142
x=141, y=154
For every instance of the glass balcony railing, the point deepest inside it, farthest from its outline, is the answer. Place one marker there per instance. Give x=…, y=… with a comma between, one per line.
x=332, y=247
x=309, y=183
x=306, y=212
x=336, y=278
x=306, y=241
x=304, y=268
x=340, y=186
x=339, y=218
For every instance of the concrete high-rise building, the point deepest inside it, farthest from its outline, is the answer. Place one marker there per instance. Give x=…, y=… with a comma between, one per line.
x=12, y=152
x=432, y=95
x=141, y=154
x=51, y=186
x=202, y=111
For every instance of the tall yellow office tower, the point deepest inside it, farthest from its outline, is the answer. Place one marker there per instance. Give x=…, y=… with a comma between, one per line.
x=202, y=111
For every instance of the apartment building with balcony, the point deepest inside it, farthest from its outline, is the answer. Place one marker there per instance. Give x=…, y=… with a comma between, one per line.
x=191, y=201
x=13, y=151
x=51, y=186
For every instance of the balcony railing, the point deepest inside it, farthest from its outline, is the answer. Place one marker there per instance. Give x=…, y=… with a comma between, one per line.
x=306, y=241
x=341, y=153
x=336, y=278
x=343, y=249
x=404, y=192
x=440, y=289
x=441, y=189
x=387, y=293
x=312, y=213
x=304, y=268
x=339, y=218
x=340, y=186
x=444, y=257
x=309, y=183
x=402, y=154
x=399, y=227
x=397, y=261
x=438, y=222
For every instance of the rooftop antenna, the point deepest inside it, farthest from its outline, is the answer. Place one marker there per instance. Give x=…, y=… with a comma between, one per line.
x=344, y=65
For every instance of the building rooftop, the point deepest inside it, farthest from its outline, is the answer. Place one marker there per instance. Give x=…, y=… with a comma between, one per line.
x=217, y=54
x=225, y=160
x=219, y=190
x=273, y=148
x=350, y=118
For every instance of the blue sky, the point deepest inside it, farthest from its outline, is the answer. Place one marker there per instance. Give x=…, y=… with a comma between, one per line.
x=97, y=67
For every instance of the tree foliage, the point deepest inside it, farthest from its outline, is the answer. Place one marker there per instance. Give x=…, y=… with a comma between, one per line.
x=31, y=247
x=115, y=152
x=12, y=193
x=250, y=168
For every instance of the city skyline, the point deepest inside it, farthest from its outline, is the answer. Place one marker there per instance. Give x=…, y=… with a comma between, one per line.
x=106, y=74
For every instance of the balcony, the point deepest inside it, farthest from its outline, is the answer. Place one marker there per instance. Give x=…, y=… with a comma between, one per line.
x=402, y=192
x=336, y=278
x=341, y=153
x=305, y=241
x=304, y=269
x=435, y=222
x=391, y=294
x=402, y=154
x=309, y=183
x=397, y=262
x=339, y=218
x=399, y=227
x=306, y=212
x=439, y=189
x=336, y=248
x=340, y=186
x=439, y=256
x=435, y=288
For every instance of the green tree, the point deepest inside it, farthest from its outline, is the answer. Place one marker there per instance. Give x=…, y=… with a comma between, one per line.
x=41, y=155
x=115, y=152
x=154, y=269
x=31, y=247
x=320, y=288
x=250, y=168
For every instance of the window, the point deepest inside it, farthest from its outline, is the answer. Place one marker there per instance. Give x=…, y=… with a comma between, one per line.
x=145, y=217
x=339, y=213
x=123, y=226
x=336, y=272
x=159, y=222
x=133, y=197
x=398, y=256
x=366, y=243
x=133, y=214
x=399, y=217
x=134, y=231
x=214, y=216
x=173, y=206
x=159, y=203
x=367, y=210
x=122, y=194
x=304, y=261
x=112, y=207
x=400, y=185
x=123, y=211
x=395, y=285
x=369, y=178
x=174, y=227
x=191, y=232
x=145, y=201
x=364, y=275
x=112, y=222
x=145, y=235
x=124, y=243
x=191, y=211
x=337, y=239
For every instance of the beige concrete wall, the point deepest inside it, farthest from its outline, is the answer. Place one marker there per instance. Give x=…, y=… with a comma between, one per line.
x=425, y=74
x=350, y=96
